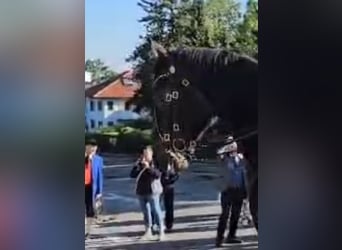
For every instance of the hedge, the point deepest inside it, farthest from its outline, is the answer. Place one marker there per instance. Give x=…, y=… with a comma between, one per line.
x=122, y=140
x=133, y=141
x=141, y=124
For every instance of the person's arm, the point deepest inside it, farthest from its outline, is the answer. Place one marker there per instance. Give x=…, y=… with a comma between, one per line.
x=135, y=170
x=100, y=175
x=173, y=177
x=154, y=172
x=245, y=173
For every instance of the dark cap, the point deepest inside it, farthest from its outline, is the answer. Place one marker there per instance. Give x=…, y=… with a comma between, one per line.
x=229, y=139
x=91, y=142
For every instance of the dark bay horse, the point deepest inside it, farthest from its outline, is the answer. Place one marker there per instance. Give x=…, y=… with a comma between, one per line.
x=195, y=88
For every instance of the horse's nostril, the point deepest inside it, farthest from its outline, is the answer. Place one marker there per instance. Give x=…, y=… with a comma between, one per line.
x=179, y=144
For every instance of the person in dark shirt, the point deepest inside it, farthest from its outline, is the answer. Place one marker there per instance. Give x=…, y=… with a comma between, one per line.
x=170, y=174
x=145, y=173
x=169, y=177
x=233, y=192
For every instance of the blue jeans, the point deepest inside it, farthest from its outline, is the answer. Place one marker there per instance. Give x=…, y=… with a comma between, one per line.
x=151, y=204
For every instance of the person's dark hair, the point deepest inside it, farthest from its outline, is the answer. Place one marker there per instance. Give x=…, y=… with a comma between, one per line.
x=91, y=142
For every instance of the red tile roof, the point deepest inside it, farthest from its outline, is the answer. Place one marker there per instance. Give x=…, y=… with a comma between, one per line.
x=114, y=89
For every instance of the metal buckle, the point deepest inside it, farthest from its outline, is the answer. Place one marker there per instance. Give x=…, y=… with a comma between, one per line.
x=185, y=82
x=175, y=94
x=166, y=137
x=168, y=97
x=176, y=127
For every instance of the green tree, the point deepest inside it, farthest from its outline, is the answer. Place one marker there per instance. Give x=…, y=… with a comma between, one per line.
x=189, y=27
x=100, y=72
x=194, y=23
x=210, y=23
x=221, y=21
x=247, y=33
x=159, y=21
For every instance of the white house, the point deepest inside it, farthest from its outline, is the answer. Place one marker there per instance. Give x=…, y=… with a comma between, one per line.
x=106, y=102
x=89, y=81
x=88, y=77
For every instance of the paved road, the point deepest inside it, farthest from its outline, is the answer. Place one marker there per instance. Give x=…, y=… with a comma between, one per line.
x=196, y=213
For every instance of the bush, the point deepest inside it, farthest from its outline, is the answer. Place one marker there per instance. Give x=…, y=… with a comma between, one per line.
x=132, y=142
x=115, y=130
x=104, y=141
x=127, y=130
x=141, y=124
x=128, y=139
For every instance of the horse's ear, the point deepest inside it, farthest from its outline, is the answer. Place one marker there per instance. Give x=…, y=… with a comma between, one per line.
x=158, y=50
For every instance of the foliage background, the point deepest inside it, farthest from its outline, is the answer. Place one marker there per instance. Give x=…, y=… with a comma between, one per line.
x=193, y=23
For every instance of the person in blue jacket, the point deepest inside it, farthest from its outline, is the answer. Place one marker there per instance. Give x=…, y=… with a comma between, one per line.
x=93, y=181
x=233, y=185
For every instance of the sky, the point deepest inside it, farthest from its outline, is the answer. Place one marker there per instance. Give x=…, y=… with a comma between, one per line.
x=112, y=30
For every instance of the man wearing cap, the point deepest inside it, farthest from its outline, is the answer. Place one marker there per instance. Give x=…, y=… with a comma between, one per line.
x=233, y=191
x=93, y=181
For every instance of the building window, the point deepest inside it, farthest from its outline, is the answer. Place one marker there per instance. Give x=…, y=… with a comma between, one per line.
x=99, y=105
x=110, y=105
x=100, y=124
x=110, y=124
x=91, y=105
x=92, y=123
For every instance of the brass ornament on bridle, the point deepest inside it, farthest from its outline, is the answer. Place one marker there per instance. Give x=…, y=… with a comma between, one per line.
x=174, y=146
x=185, y=82
x=166, y=137
x=176, y=127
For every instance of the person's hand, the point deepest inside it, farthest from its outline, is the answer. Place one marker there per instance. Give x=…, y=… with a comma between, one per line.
x=145, y=164
x=98, y=196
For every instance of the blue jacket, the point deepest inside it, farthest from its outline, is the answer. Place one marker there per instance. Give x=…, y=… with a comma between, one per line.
x=97, y=175
x=227, y=173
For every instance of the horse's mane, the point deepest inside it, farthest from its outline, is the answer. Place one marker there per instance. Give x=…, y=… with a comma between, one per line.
x=209, y=59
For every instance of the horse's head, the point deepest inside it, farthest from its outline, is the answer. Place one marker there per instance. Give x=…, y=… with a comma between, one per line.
x=181, y=110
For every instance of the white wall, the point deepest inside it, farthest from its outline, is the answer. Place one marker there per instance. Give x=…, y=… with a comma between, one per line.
x=88, y=77
x=105, y=115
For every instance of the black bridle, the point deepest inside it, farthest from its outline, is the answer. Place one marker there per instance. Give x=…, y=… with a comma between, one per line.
x=166, y=138
x=171, y=141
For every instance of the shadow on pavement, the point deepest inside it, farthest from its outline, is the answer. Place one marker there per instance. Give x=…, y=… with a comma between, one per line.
x=193, y=244
x=183, y=219
x=112, y=210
